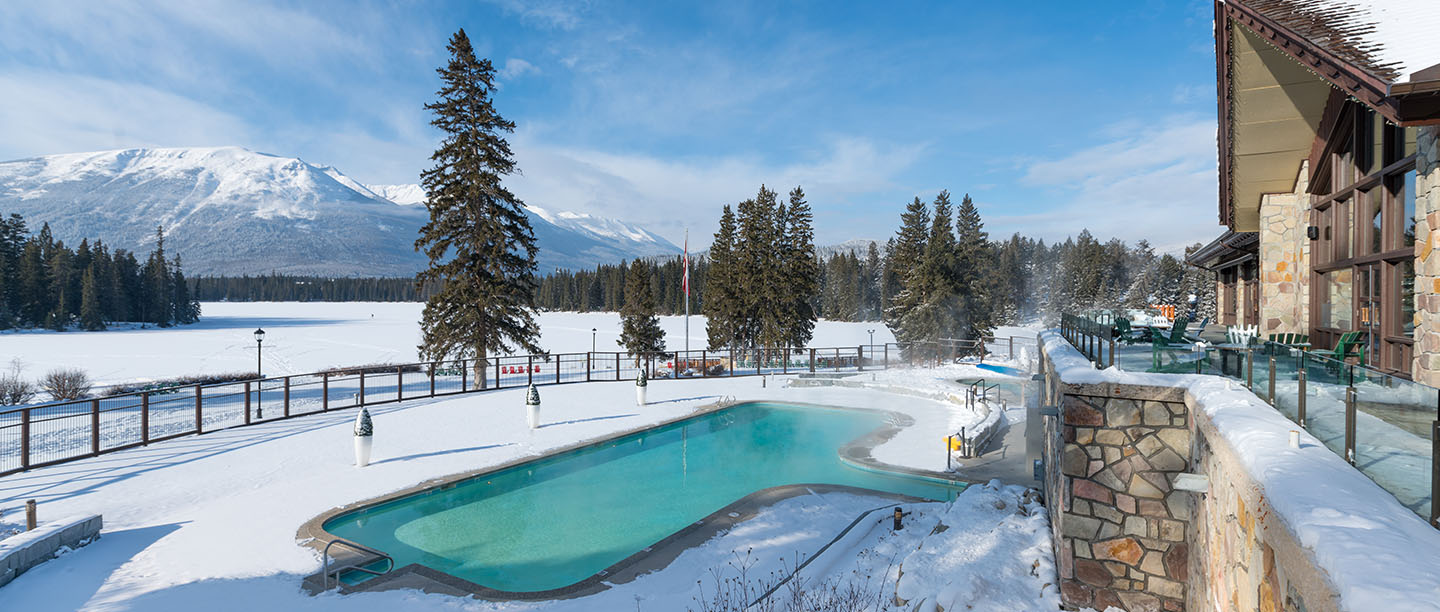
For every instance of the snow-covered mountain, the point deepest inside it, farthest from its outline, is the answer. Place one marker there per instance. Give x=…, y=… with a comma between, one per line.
x=229, y=210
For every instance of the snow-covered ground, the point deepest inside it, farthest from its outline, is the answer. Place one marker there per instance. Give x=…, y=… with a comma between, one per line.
x=310, y=336
x=210, y=521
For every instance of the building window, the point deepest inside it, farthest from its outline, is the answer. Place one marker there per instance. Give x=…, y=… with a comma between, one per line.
x=1407, y=198
x=1337, y=289
x=1372, y=221
x=1404, y=325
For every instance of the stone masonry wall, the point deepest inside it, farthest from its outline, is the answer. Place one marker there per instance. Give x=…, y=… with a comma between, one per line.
x=1285, y=259
x=1426, y=364
x=1122, y=530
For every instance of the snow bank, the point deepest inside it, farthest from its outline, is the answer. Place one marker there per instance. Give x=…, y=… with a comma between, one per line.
x=989, y=549
x=1378, y=554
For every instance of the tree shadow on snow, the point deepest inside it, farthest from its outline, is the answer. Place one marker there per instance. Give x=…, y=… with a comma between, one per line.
x=69, y=581
x=442, y=452
x=599, y=418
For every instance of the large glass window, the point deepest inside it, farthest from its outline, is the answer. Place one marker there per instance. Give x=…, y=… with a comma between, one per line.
x=1337, y=291
x=1341, y=214
x=1405, y=299
x=1407, y=197
x=1371, y=202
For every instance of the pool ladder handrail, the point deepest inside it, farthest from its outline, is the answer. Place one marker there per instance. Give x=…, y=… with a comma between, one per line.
x=325, y=562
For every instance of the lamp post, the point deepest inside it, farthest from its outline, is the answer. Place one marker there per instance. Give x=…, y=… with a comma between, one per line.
x=592, y=339
x=259, y=385
x=872, y=336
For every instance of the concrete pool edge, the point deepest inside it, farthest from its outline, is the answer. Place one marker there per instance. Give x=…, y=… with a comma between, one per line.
x=856, y=454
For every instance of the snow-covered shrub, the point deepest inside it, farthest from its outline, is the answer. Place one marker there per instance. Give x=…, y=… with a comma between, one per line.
x=15, y=390
x=532, y=396
x=642, y=380
x=66, y=383
x=363, y=426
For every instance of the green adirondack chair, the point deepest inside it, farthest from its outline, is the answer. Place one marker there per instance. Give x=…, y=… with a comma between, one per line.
x=1176, y=335
x=1163, y=344
x=1349, y=344
x=1124, y=332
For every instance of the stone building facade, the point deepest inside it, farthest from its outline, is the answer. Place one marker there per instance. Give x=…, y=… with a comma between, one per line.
x=1284, y=253
x=1426, y=368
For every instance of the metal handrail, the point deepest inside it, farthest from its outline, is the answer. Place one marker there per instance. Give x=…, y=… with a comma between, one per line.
x=325, y=562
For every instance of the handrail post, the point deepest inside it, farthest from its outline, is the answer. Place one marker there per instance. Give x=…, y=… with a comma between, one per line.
x=1300, y=400
x=1250, y=370
x=95, y=426
x=25, y=439
x=286, y=408
x=199, y=418
x=145, y=417
x=1112, y=349
x=247, y=402
x=1350, y=424
x=1271, y=395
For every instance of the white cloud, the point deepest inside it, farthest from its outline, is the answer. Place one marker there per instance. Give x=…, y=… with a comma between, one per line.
x=1157, y=182
x=560, y=14
x=667, y=195
x=58, y=113
x=515, y=67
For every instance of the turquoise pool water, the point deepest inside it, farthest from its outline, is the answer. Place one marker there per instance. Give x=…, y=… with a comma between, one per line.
x=556, y=521
x=1001, y=369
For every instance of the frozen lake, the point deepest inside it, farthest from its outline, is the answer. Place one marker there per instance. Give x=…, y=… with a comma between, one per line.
x=309, y=336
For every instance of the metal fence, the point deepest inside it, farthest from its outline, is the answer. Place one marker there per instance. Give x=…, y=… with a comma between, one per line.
x=1386, y=426
x=47, y=434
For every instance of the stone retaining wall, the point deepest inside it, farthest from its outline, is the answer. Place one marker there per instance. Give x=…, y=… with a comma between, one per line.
x=20, y=552
x=1124, y=538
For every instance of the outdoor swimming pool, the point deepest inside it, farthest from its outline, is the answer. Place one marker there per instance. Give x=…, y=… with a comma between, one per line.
x=553, y=522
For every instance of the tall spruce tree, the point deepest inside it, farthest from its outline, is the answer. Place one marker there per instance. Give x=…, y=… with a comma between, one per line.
x=639, y=326
x=800, y=280
x=721, y=297
x=974, y=274
x=478, y=239
x=754, y=266
x=903, y=256
x=91, y=318
x=931, y=298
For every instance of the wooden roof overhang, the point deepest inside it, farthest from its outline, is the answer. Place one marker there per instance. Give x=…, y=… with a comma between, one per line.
x=1229, y=249
x=1273, y=86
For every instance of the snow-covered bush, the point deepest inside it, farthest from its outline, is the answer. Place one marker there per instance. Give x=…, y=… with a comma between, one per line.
x=66, y=383
x=15, y=390
x=532, y=396
x=642, y=380
x=363, y=426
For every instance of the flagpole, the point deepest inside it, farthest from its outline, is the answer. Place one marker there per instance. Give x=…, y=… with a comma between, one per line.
x=687, y=299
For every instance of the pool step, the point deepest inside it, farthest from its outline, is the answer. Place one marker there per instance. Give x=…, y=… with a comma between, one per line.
x=352, y=564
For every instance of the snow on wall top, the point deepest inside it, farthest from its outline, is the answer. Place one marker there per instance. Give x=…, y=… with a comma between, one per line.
x=1393, y=39
x=1378, y=554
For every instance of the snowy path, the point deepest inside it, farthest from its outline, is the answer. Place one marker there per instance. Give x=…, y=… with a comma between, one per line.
x=210, y=521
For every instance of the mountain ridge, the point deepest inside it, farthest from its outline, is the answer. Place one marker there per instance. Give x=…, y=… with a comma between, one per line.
x=230, y=210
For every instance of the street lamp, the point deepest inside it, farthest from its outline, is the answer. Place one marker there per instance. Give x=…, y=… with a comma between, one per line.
x=259, y=386
x=592, y=339
x=872, y=336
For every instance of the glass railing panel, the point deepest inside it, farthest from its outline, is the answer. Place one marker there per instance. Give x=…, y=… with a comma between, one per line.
x=1393, y=423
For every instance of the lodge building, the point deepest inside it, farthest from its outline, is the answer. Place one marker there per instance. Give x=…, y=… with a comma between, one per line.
x=1329, y=112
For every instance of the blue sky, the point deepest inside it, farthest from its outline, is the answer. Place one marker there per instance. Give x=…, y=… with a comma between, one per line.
x=1053, y=115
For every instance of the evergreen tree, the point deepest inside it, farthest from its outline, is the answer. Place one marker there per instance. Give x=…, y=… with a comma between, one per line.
x=156, y=292
x=639, y=327
x=91, y=318
x=906, y=250
x=800, y=275
x=974, y=274
x=478, y=239
x=930, y=300
x=722, y=305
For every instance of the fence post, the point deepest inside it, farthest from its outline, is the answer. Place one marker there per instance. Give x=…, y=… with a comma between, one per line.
x=1300, y=400
x=785, y=360
x=558, y=359
x=860, y=358
x=145, y=417
x=1350, y=424
x=199, y=419
x=25, y=439
x=617, y=365
x=433, y=367
x=247, y=402
x=1250, y=370
x=286, y=400
x=704, y=363
x=324, y=392
x=1012, y=348
x=812, y=361
x=589, y=361
x=758, y=360
x=1434, y=473
x=1112, y=349
x=95, y=426
x=362, y=386
x=732, y=361
x=529, y=369
x=887, y=355
x=1272, y=380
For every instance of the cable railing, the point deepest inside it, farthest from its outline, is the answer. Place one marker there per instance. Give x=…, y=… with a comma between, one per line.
x=1385, y=425
x=61, y=431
